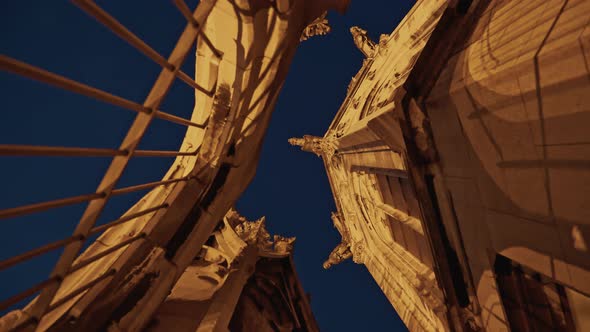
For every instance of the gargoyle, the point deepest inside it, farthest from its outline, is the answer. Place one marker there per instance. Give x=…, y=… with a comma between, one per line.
x=362, y=41
x=339, y=254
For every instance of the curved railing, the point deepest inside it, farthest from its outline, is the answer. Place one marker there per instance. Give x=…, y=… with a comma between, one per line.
x=241, y=64
x=128, y=149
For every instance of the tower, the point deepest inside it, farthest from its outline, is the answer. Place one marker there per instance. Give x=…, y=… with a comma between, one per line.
x=458, y=162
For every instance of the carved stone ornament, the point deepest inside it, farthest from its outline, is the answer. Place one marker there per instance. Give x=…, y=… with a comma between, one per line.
x=283, y=245
x=340, y=225
x=318, y=27
x=362, y=41
x=338, y=255
x=358, y=253
x=255, y=233
x=340, y=129
x=322, y=147
x=234, y=218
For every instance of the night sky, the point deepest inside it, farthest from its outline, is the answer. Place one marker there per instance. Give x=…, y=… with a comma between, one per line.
x=290, y=188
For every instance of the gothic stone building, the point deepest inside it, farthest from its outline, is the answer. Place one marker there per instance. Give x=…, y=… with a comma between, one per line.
x=460, y=165
x=176, y=261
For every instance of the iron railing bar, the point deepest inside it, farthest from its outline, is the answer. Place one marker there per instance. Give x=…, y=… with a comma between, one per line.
x=186, y=12
x=179, y=120
x=60, y=243
x=188, y=80
x=148, y=185
x=161, y=153
x=79, y=290
x=92, y=9
x=35, y=252
x=43, y=206
x=38, y=74
x=125, y=219
x=18, y=67
x=36, y=150
x=115, y=170
x=80, y=264
x=26, y=293
x=38, y=207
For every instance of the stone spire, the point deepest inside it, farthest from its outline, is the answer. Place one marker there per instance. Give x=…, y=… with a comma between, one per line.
x=362, y=41
x=322, y=147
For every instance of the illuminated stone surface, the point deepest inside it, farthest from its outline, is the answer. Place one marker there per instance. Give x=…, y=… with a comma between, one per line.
x=459, y=164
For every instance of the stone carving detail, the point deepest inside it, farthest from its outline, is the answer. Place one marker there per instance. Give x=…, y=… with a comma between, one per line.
x=283, y=245
x=319, y=27
x=359, y=255
x=362, y=41
x=322, y=147
x=340, y=129
x=338, y=255
x=383, y=39
x=234, y=218
x=255, y=233
x=427, y=288
x=340, y=226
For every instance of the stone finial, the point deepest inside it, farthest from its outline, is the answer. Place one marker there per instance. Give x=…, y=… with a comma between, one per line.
x=255, y=233
x=318, y=27
x=322, y=147
x=338, y=255
x=283, y=245
x=234, y=218
x=362, y=41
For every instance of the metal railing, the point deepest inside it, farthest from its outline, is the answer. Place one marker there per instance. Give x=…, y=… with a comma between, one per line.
x=146, y=112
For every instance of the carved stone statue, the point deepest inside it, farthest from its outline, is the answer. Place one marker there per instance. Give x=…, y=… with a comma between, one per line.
x=283, y=245
x=318, y=27
x=255, y=233
x=318, y=145
x=339, y=254
x=362, y=41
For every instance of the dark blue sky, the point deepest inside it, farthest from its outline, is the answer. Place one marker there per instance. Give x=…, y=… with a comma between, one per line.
x=290, y=188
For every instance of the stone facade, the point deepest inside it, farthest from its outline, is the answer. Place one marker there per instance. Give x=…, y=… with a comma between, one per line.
x=243, y=280
x=459, y=164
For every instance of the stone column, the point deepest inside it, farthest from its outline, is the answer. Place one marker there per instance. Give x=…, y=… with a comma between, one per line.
x=222, y=307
